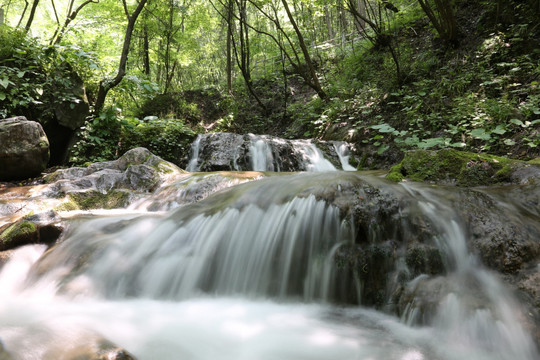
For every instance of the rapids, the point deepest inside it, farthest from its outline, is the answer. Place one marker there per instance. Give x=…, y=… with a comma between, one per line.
x=250, y=272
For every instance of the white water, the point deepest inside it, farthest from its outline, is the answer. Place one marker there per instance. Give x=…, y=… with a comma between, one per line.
x=263, y=155
x=246, y=274
x=194, y=160
x=344, y=154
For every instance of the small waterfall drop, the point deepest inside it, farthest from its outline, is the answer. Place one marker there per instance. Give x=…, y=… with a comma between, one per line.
x=194, y=159
x=261, y=155
x=344, y=153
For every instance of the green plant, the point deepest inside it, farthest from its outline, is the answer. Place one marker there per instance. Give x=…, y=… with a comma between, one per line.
x=98, y=139
x=22, y=77
x=168, y=138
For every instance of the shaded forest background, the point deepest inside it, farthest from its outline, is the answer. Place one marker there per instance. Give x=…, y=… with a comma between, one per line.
x=384, y=75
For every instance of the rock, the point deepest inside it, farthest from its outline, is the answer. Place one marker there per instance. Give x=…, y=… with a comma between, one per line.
x=69, y=115
x=370, y=157
x=93, y=349
x=505, y=239
x=72, y=114
x=461, y=168
x=44, y=228
x=25, y=149
x=4, y=355
x=222, y=151
x=110, y=184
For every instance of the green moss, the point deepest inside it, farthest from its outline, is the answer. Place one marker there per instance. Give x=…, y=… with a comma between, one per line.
x=453, y=167
x=12, y=235
x=535, y=161
x=67, y=205
x=96, y=200
x=395, y=174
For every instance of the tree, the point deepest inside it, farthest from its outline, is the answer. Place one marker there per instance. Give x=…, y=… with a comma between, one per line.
x=237, y=19
x=32, y=14
x=107, y=84
x=314, y=81
x=442, y=18
x=71, y=15
x=372, y=22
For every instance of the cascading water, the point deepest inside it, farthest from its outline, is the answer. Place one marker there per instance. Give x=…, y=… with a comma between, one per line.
x=265, y=153
x=251, y=273
x=195, y=149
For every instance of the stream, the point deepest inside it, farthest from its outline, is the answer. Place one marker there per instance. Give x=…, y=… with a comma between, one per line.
x=251, y=272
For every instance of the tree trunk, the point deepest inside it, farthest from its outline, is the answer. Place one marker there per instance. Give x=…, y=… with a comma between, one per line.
x=229, y=45
x=107, y=84
x=146, y=51
x=59, y=33
x=32, y=14
x=315, y=80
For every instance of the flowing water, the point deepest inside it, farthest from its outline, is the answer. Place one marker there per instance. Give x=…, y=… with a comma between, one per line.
x=250, y=273
x=263, y=152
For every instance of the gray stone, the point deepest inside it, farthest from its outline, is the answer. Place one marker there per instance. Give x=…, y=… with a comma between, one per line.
x=72, y=113
x=24, y=150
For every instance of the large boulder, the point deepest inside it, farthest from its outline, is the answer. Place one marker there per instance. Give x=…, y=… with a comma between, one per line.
x=24, y=150
x=72, y=113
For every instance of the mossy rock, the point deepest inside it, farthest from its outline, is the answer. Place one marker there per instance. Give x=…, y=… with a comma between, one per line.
x=455, y=167
x=19, y=233
x=89, y=200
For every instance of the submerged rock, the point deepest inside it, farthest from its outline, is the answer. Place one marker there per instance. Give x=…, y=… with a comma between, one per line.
x=24, y=152
x=4, y=355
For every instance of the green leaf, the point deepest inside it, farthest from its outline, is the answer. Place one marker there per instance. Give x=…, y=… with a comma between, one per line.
x=509, y=142
x=4, y=82
x=517, y=122
x=431, y=142
x=2, y=96
x=20, y=74
x=480, y=134
x=383, y=128
x=382, y=149
x=500, y=130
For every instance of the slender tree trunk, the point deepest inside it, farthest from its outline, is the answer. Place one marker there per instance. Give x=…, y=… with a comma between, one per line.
x=229, y=45
x=146, y=51
x=32, y=14
x=23, y=13
x=315, y=80
x=107, y=84
x=59, y=33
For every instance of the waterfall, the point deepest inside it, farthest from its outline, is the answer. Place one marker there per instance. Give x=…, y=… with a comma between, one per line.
x=226, y=151
x=194, y=159
x=261, y=155
x=344, y=153
x=253, y=272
